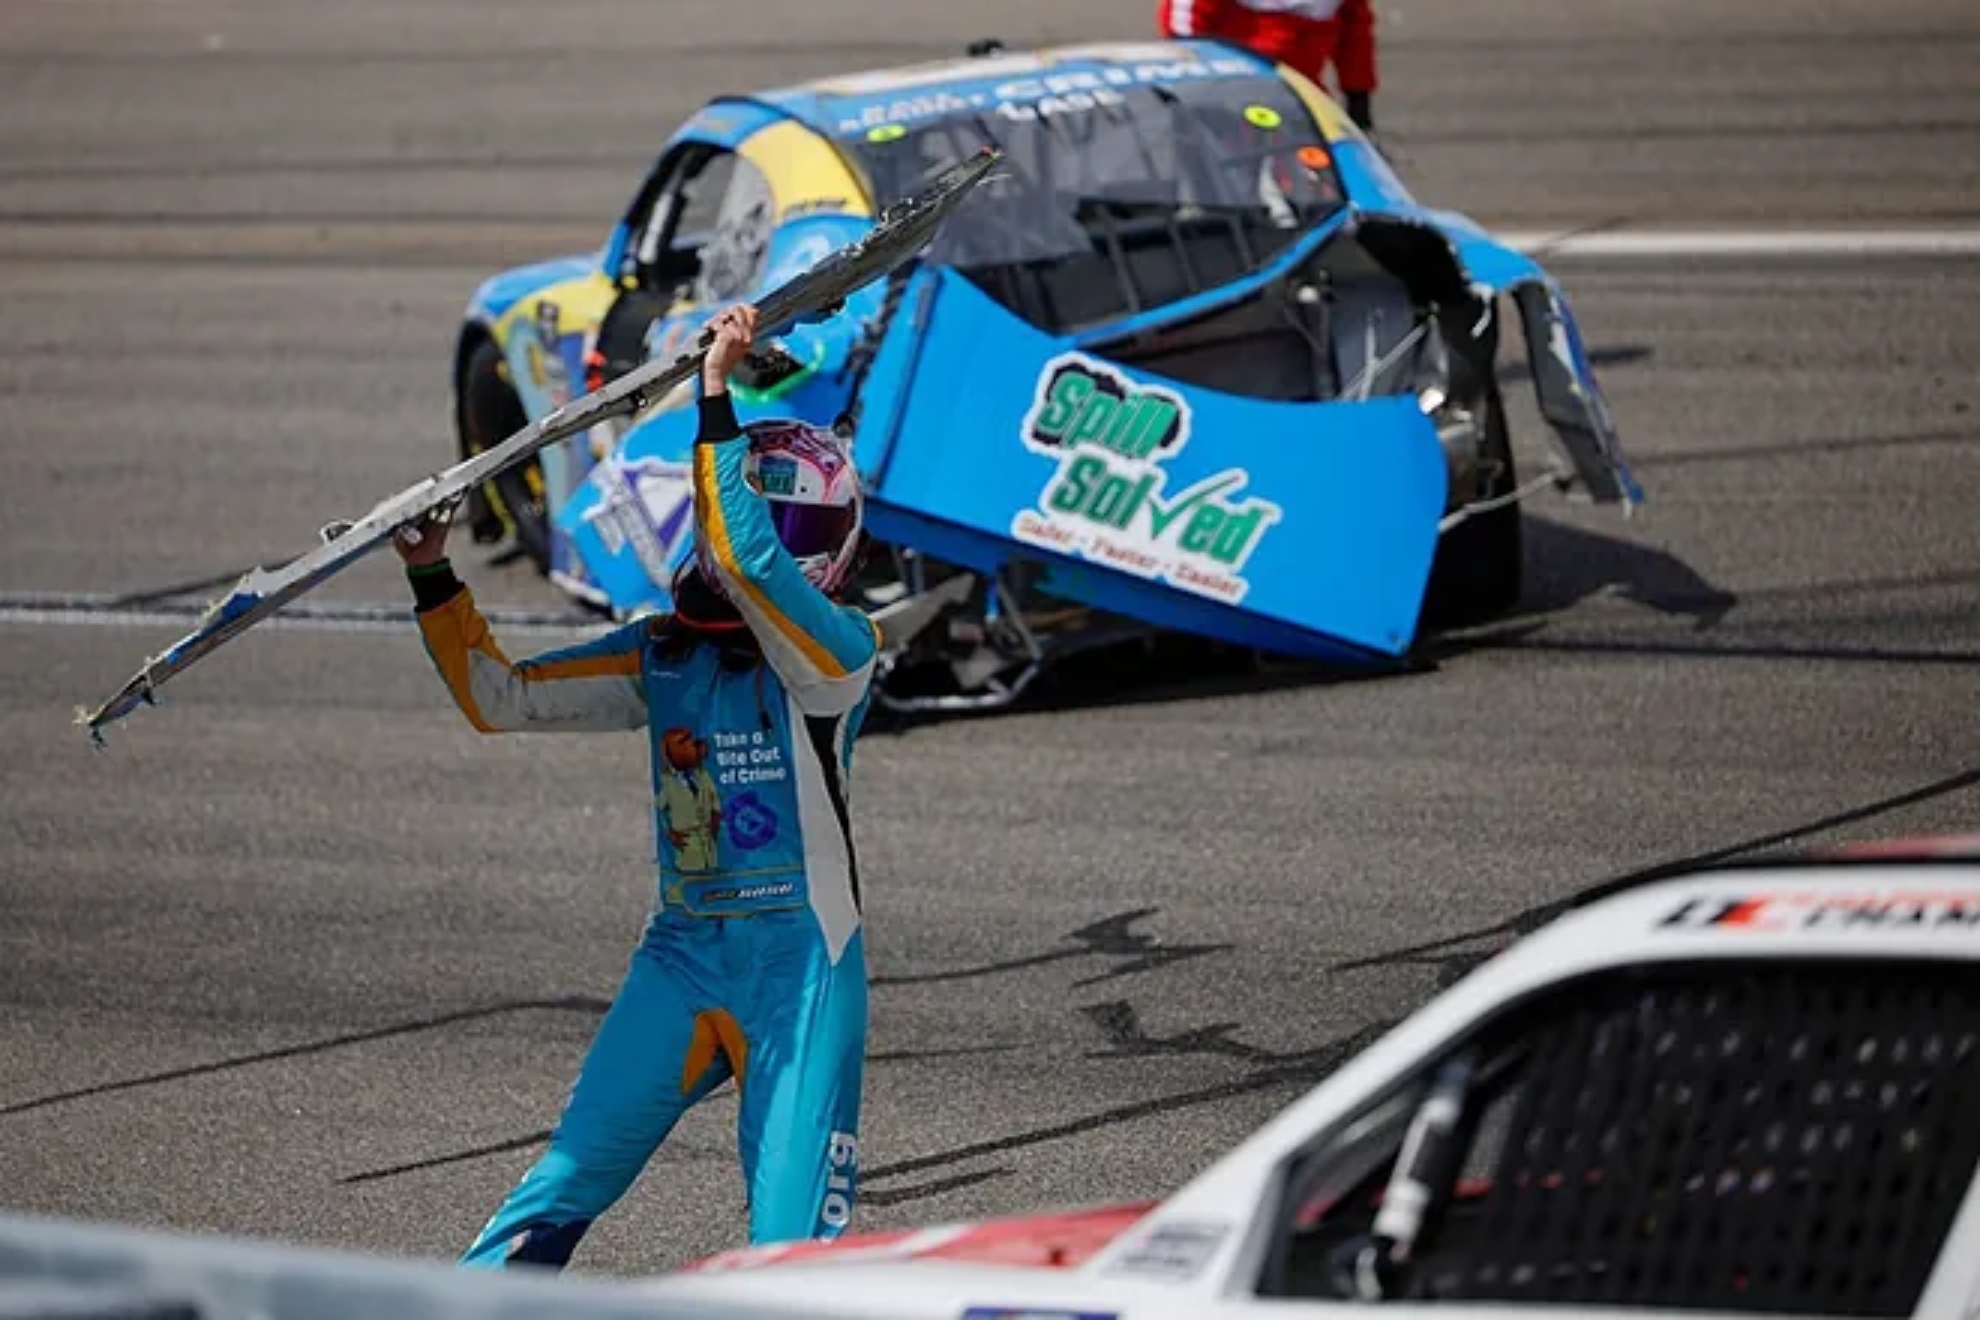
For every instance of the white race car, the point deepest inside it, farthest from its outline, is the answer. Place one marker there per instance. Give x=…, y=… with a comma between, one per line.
x=1752, y=1088
x=1749, y=1089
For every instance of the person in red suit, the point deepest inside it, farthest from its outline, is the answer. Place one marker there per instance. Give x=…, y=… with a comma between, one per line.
x=1308, y=35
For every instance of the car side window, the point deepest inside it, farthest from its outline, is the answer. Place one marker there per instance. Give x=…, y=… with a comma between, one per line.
x=652, y=222
x=732, y=260
x=682, y=206
x=700, y=190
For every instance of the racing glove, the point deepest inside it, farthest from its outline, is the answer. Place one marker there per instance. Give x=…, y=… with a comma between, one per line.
x=1361, y=109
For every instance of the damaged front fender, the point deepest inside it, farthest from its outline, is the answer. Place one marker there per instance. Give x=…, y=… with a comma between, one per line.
x=1569, y=397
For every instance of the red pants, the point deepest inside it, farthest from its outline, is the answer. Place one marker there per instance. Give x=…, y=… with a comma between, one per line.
x=1308, y=35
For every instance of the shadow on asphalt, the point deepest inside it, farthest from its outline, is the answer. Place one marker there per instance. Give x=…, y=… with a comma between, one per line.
x=1564, y=566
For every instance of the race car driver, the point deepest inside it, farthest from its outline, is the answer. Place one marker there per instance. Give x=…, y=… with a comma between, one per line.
x=1306, y=35
x=752, y=964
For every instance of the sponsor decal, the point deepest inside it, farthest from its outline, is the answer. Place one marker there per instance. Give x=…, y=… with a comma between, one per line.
x=1045, y=107
x=842, y=1171
x=1012, y=98
x=648, y=505
x=745, y=893
x=695, y=810
x=1173, y=1251
x=689, y=803
x=1109, y=501
x=546, y=361
x=802, y=463
x=815, y=206
x=1896, y=909
x=776, y=476
x=752, y=821
x=1156, y=73
x=749, y=758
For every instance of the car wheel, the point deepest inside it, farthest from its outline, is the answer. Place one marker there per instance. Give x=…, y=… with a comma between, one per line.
x=489, y=414
x=1477, y=572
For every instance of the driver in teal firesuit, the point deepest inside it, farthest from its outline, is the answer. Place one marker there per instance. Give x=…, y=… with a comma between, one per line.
x=752, y=965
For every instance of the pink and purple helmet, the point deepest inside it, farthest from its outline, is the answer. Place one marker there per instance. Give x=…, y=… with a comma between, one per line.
x=806, y=476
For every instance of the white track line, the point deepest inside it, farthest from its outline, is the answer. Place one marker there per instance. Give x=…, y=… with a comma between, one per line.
x=1650, y=243
x=76, y=610
x=101, y=612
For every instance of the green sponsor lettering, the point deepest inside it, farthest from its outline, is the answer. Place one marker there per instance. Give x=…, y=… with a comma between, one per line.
x=1074, y=487
x=1201, y=534
x=1062, y=404
x=1117, y=499
x=1110, y=436
x=1224, y=532
x=1162, y=513
x=1237, y=534
x=1096, y=416
x=1081, y=409
x=1088, y=488
x=1154, y=423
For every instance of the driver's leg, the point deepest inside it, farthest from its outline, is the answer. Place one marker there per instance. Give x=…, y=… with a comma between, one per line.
x=628, y=1096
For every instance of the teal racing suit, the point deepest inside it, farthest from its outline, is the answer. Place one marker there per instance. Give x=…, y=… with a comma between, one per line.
x=752, y=965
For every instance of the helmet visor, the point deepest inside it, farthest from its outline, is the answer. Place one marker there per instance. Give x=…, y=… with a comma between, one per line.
x=812, y=529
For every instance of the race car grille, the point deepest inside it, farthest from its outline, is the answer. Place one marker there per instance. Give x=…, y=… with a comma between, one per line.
x=1767, y=1139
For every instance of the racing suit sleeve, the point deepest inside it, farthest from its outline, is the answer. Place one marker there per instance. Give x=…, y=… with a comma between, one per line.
x=823, y=651
x=1354, y=52
x=593, y=687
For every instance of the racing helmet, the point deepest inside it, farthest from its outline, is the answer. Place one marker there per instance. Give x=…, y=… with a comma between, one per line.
x=806, y=477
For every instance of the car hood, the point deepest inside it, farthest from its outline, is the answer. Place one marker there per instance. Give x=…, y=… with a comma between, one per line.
x=995, y=1267
x=1058, y=1241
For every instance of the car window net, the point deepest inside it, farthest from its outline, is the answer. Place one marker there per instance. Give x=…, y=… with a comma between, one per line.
x=1766, y=1139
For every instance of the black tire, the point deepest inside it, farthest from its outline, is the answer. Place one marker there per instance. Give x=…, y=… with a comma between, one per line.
x=1478, y=572
x=490, y=413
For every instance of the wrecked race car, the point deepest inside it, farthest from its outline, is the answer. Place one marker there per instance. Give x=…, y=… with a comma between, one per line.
x=1193, y=361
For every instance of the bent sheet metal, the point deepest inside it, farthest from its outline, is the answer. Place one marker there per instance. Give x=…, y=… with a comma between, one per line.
x=817, y=294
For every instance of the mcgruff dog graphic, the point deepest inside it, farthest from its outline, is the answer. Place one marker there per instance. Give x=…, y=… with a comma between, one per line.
x=688, y=800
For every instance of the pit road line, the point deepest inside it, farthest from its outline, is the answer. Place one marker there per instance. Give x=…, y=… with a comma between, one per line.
x=1738, y=243
x=75, y=611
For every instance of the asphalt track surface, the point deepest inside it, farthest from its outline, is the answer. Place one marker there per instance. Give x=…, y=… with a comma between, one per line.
x=302, y=957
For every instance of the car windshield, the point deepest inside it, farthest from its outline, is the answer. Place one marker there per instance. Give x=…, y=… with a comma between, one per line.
x=1140, y=180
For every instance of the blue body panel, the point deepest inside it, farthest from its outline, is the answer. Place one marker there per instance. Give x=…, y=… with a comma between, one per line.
x=1314, y=524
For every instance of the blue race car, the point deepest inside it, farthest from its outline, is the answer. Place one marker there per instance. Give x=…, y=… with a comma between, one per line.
x=1193, y=360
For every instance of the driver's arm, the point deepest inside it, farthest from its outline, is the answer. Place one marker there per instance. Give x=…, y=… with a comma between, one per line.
x=824, y=651
x=593, y=687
